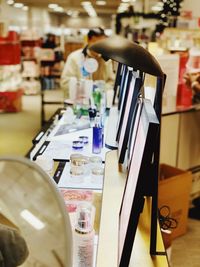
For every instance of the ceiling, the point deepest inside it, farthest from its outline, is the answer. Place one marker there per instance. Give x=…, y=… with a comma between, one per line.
x=75, y=5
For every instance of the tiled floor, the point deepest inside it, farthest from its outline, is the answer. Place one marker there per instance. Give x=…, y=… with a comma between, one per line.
x=18, y=129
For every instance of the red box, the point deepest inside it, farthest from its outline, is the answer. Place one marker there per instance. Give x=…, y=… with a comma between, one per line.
x=10, y=49
x=11, y=101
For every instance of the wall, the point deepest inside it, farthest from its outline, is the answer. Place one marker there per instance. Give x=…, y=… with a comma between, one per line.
x=192, y=5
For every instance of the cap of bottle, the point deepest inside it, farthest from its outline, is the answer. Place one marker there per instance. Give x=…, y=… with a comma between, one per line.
x=85, y=218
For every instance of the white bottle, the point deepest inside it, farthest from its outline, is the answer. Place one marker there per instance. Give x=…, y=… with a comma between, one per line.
x=83, y=243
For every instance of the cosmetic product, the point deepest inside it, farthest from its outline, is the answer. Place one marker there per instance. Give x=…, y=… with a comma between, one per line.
x=97, y=175
x=80, y=160
x=95, y=161
x=97, y=136
x=77, y=174
x=83, y=236
x=84, y=139
x=77, y=145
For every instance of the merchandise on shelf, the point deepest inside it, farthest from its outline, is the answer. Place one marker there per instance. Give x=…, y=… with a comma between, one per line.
x=10, y=53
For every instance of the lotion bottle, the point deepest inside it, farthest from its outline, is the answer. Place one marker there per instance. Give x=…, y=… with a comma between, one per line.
x=83, y=252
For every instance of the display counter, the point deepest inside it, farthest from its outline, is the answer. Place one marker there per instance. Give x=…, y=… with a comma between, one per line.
x=180, y=143
x=112, y=192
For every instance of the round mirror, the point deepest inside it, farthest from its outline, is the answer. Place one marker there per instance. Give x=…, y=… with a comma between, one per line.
x=31, y=204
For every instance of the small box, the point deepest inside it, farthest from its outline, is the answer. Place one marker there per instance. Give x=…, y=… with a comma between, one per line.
x=174, y=191
x=11, y=101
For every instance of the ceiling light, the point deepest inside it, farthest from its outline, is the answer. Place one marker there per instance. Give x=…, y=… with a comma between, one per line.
x=86, y=3
x=101, y=3
x=10, y=2
x=52, y=6
x=59, y=9
x=32, y=219
x=25, y=8
x=125, y=1
x=89, y=8
x=123, y=7
x=18, y=5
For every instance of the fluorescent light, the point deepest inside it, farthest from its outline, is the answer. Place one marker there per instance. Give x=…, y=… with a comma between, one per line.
x=89, y=8
x=32, y=219
x=101, y=3
x=52, y=6
x=125, y=1
x=10, y=2
x=18, y=5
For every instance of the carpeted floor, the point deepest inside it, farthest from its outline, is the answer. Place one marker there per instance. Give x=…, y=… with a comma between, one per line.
x=16, y=133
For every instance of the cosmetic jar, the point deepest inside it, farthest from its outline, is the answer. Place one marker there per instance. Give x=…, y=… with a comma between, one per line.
x=97, y=175
x=84, y=139
x=95, y=161
x=79, y=160
x=76, y=174
x=77, y=145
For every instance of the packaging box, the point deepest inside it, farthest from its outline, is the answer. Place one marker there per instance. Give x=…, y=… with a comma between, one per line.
x=174, y=191
x=11, y=101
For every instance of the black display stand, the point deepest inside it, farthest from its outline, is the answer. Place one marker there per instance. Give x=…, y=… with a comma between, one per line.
x=130, y=54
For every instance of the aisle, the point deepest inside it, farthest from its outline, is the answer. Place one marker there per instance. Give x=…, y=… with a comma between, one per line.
x=18, y=129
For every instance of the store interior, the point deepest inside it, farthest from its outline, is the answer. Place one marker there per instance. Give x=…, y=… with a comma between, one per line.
x=31, y=94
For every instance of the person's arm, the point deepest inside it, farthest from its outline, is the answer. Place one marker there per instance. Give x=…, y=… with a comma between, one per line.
x=110, y=72
x=71, y=69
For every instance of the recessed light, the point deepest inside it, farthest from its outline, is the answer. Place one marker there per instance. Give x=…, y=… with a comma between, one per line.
x=18, y=5
x=52, y=6
x=101, y=3
x=10, y=2
x=25, y=8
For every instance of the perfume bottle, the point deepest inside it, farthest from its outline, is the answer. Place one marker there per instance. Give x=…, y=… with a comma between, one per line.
x=83, y=245
x=97, y=136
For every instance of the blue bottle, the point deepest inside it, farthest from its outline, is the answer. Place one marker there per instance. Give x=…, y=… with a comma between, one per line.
x=97, y=136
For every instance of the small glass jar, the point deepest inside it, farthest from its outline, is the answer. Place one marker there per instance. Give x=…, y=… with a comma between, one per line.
x=77, y=145
x=97, y=174
x=81, y=161
x=95, y=162
x=84, y=139
x=77, y=174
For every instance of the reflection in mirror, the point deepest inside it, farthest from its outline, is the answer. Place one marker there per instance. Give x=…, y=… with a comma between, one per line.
x=31, y=203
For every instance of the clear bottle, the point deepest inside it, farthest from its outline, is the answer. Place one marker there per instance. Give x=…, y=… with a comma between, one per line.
x=83, y=243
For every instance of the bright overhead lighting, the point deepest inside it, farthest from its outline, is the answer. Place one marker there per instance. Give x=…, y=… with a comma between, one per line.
x=10, y=2
x=25, y=8
x=101, y=3
x=18, y=5
x=123, y=7
x=125, y=1
x=89, y=8
x=86, y=3
x=52, y=6
x=59, y=9
x=32, y=219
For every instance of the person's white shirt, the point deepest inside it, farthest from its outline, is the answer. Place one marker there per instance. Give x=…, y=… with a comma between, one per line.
x=73, y=68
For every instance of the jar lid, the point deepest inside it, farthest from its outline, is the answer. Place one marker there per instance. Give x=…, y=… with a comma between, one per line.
x=98, y=171
x=95, y=159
